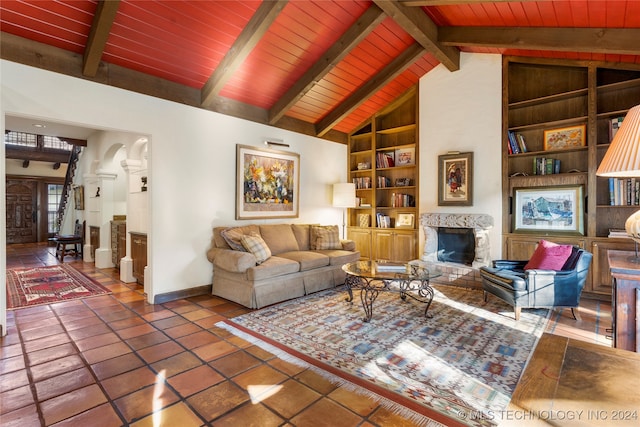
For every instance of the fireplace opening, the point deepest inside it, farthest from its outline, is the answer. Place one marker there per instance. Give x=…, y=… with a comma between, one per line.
x=456, y=245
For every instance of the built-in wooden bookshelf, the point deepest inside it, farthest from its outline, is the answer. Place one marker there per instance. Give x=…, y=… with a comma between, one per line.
x=545, y=94
x=384, y=165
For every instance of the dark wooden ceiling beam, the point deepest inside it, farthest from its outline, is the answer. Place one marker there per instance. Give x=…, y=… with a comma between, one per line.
x=350, y=39
x=386, y=75
x=623, y=41
x=423, y=30
x=36, y=156
x=100, y=29
x=257, y=26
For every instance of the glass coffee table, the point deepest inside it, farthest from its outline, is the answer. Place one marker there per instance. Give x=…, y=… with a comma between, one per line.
x=407, y=279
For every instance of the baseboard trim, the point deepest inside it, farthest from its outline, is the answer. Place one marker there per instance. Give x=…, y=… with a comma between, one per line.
x=182, y=293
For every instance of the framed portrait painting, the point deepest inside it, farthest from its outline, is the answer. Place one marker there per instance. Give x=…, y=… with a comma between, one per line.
x=555, y=209
x=268, y=183
x=455, y=179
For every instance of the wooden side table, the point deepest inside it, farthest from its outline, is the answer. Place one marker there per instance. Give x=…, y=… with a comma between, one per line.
x=625, y=300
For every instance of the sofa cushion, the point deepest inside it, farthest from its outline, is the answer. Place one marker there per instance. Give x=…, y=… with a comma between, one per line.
x=256, y=245
x=325, y=237
x=302, y=233
x=339, y=256
x=308, y=260
x=549, y=256
x=273, y=267
x=279, y=238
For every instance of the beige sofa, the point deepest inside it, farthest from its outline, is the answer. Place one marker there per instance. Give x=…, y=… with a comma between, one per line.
x=303, y=258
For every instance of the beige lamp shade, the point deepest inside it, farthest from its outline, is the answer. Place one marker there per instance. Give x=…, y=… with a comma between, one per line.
x=344, y=195
x=622, y=159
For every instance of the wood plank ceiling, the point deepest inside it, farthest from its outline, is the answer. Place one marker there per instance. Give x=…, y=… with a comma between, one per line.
x=315, y=67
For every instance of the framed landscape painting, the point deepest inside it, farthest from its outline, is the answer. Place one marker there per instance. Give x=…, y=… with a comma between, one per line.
x=455, y=179
x=563, y=138
x=267, y=183
x=557, y=209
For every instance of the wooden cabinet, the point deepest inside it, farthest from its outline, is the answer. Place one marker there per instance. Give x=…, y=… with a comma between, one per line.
x=625, y=300
x=545, y=94
x=383, y=163
x=118, y=242
x=394, y=245
x=139, y=255
x=362, y=239
x=600, y=272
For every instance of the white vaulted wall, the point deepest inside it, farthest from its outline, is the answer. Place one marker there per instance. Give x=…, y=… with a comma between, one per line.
x=192, y=163
x=462, y=111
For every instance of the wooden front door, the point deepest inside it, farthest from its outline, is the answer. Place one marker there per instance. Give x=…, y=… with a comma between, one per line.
x=22, y=197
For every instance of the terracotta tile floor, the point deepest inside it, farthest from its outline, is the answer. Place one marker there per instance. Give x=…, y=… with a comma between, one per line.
x=116, y=360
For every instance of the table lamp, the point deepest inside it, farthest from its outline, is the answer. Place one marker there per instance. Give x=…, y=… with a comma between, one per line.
x=622, y=160
x=344, y=196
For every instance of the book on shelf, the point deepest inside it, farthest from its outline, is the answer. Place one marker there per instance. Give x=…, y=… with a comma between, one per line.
x=513, y=143
x=384, y=182
x=624, y=191
x=383, y=221
x=546, y=166
x=614, y=125
x=516, y=144
x=363, y=182
x=385, y=159
x=400, y=200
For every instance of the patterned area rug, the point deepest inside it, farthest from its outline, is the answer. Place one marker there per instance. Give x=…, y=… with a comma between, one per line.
x=458, y=368
x=46, y=285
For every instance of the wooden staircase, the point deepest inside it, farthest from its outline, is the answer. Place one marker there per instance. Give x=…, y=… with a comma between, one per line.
x=68, y=180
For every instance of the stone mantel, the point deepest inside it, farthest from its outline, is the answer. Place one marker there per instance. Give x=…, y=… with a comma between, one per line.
x=480, y=223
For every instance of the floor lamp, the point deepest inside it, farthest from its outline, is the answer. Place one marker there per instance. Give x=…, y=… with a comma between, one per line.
x=344, y=196
x=622, y=160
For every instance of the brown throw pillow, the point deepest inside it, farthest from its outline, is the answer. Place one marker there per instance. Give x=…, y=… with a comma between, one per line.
x=233, y=237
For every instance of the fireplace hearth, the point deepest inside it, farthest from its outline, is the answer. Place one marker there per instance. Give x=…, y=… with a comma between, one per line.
x=457, y=269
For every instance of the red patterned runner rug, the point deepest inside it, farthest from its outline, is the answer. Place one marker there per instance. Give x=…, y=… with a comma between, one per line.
x=458, y=368
x=46, y=285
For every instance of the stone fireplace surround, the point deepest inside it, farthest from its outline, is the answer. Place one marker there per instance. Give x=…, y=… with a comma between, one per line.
x=458, y=274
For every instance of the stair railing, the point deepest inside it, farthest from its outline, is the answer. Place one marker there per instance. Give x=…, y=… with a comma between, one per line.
x=68, y=181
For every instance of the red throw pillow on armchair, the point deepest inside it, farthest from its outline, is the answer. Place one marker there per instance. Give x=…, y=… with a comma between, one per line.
x=549, y=256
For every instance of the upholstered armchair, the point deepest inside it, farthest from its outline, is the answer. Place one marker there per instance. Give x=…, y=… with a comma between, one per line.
x=522, y=286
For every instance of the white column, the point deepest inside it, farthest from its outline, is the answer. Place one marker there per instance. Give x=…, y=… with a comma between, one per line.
x=105, y=200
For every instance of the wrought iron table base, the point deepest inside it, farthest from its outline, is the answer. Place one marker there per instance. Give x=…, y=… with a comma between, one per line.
x=371, y=287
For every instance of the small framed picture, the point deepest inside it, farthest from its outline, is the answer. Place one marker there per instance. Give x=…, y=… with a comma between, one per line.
x=455, y=179
x=563, y=138
x=405, y=220
x=405, y=156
